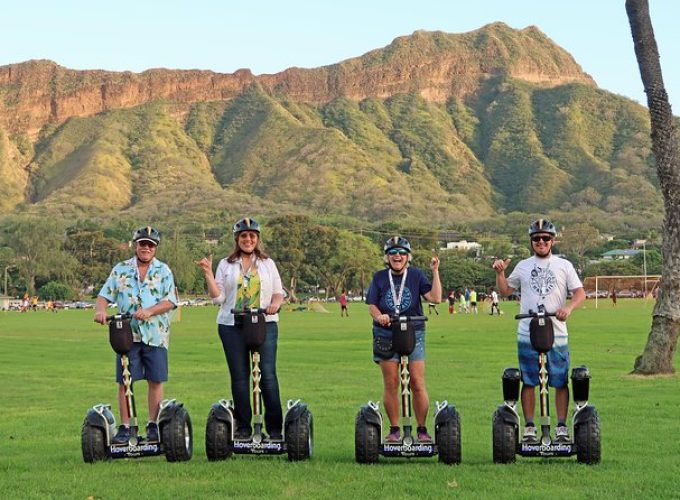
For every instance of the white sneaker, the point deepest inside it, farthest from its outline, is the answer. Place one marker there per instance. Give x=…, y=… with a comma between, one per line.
x=530, y=434
x=562, y=433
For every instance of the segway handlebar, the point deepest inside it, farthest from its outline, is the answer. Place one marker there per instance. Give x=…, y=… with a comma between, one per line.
x=396, y=317
x=532, y=314
x=119, y=316
x=254, y=310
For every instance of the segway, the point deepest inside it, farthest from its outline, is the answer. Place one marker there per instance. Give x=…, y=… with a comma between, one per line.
x=369, y=443
x=585, y=443
x=298, y=425
x=99, y=426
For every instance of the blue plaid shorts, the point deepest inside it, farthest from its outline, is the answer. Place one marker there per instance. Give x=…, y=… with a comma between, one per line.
x=558, y=363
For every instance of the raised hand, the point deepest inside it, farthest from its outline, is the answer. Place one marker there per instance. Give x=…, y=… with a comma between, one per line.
x=500, y=265
x=206, y=264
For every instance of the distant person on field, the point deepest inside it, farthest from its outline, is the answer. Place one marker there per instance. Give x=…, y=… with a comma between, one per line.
x=452, y=302
x=494, y=303
x=144, y=287
x=613, y=298
x=247, y=278
x=473, y=301
x=343, y=304
x=397, y=291
x=544, y=281
x=431, y=306
x=467, y=300
x=461, y=303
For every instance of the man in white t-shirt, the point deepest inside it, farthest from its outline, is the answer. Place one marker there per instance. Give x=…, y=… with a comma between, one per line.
x=544, y=280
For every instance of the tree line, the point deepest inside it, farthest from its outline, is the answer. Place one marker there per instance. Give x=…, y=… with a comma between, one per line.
x=60, y=261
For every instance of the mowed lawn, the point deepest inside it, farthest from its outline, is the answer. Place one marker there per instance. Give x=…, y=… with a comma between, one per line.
x=53, y=367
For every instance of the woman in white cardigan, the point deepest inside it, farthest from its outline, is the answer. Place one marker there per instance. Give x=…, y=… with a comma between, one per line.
x=248, y=278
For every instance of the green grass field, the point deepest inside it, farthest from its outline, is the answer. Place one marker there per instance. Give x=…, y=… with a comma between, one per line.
x=55, y=366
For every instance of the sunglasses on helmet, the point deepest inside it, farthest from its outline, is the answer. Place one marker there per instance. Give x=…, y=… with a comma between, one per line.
x=397, y=251
x=536, y=239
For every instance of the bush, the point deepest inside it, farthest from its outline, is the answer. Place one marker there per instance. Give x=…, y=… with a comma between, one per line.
x=55, y=290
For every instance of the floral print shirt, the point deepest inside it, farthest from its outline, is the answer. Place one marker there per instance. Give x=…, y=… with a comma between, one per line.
x=123, y=288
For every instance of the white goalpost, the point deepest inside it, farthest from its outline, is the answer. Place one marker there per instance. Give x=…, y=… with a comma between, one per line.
x=645, y=285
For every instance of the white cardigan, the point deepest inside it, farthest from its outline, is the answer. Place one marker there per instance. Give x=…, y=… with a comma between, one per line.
x=226, y=278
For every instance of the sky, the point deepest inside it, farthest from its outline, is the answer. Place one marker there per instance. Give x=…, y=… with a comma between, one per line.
x=268, y=36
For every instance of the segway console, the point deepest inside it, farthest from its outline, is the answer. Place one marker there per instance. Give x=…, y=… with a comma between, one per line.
x=506, y=421
x=298, y=425
x=368, y=432
x=99, y=426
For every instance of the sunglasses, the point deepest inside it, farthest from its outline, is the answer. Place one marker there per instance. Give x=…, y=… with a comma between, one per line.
x=397, y=251
x=146, y=244
x=536, y=239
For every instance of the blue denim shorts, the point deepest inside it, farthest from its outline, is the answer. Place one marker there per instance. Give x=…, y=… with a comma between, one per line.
x=146, y=363
x=418, y=353
x=558, y=364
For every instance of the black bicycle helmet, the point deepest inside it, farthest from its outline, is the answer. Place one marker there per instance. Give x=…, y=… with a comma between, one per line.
x=542, y=226
x=397, y=242
x=246, y=224
x=147, y=233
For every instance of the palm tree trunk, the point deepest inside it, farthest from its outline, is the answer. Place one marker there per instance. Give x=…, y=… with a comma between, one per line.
x=657, y=356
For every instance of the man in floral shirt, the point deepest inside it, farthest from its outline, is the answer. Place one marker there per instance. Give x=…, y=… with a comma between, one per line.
x=144, y=287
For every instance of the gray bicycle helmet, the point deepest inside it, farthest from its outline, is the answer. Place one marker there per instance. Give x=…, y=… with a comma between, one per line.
x=147, y=234
x=542, y=226
x=246, y=224
x=397, y=242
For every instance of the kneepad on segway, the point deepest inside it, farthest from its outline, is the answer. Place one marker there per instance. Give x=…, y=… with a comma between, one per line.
x=368, y=431
x=99, y=425
x=298, y=424
x=506, y=421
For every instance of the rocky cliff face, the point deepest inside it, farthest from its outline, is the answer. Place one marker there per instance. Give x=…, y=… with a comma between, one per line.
x=434, y=65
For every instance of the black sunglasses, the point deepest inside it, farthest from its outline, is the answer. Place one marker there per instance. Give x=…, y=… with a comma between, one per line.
x=546, y=239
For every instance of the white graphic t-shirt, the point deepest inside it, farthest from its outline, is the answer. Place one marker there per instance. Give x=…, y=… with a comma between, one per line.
x=544, y=281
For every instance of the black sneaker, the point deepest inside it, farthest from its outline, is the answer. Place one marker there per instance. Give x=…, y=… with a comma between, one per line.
x=242, y=433
x=122, y=436
x=275, y=436
x=152, y=435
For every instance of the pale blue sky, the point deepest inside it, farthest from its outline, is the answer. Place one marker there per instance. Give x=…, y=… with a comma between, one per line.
x=268, y=36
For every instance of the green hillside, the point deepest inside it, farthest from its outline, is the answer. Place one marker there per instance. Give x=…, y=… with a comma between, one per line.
x=474, y=143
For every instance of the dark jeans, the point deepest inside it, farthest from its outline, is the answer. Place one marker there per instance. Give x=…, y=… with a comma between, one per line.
x=238, y=360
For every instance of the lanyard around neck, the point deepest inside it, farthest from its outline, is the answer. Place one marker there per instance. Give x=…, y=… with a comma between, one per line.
x=397, y=298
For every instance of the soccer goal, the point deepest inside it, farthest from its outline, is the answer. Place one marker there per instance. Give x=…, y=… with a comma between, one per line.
x=599, y=287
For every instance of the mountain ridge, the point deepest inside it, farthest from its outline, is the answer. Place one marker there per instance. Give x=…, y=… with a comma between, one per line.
x=433, y=127
x=436, y=65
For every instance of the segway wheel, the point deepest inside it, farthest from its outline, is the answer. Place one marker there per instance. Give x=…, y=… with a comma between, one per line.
x=217, y=438
x=504, y=440
x=366, y=441
x=93, y=443
x=587, y=440
x=448, y=440
x=176, y=437
x=299, y=437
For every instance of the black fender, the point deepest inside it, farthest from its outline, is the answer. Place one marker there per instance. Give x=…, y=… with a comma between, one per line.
x=168, y=412
x=508, y=416
x=370, y=416
x=103, y=420
x=296, y=411
x=447, y=414
x=584, y=415
x=222, y=414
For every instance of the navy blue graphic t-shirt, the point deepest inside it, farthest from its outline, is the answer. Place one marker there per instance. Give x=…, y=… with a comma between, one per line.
x=380, y=293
